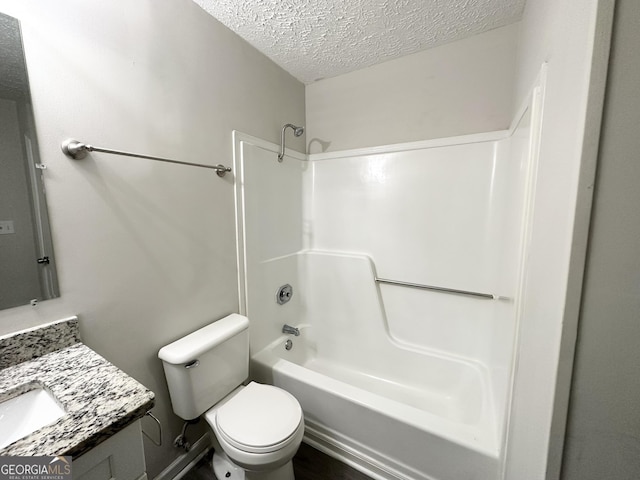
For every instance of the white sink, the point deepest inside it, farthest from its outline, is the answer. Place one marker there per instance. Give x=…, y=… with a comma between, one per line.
x=26, y=413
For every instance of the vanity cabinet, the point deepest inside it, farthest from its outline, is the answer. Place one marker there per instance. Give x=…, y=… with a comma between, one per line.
x=120, y=457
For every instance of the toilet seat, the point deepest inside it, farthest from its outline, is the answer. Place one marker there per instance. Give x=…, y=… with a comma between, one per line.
x=259, y=419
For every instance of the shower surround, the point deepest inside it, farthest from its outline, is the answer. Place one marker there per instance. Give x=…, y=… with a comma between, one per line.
x=399, y=381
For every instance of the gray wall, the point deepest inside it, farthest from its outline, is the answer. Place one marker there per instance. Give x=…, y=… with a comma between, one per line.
x=603, y=435
x=145, y=251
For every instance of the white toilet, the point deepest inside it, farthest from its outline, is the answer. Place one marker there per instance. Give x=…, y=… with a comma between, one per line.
x=257, y=428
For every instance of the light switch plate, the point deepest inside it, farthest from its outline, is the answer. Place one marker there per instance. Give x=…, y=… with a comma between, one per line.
x=6, y=227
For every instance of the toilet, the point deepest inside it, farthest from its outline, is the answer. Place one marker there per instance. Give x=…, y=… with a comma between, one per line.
x=257, y=428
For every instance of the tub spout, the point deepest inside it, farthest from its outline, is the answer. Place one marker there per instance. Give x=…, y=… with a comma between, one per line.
x=291, y=330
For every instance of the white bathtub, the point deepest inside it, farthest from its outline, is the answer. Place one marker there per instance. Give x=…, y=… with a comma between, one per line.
x=433, y=420
x=400, y=382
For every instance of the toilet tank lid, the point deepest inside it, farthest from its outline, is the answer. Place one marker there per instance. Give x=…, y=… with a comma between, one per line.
x=187, y=349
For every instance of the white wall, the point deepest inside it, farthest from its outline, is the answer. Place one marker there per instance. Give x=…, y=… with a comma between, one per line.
x=423, y=215
x=448, y=213
x=604, y=420
x=455, y=89
x=270, y=210
x=563, y=34
x=435, y=215
x=518, y=166
x=145, y=251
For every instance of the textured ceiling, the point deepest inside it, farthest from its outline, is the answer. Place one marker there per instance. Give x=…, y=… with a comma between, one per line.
x=314, y=39
x=13, y=72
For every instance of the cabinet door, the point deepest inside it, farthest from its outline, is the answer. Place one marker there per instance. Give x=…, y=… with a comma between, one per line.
x=120, y=457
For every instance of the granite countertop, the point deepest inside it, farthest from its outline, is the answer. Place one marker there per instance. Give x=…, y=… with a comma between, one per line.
x=99, y=399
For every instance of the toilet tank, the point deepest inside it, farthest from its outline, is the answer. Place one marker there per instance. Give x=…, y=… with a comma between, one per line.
x=206, y=365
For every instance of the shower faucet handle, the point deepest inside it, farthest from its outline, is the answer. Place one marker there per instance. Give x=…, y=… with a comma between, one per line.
x=284, y=294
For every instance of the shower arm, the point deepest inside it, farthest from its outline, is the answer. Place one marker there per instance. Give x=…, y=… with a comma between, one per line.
x=297, y=131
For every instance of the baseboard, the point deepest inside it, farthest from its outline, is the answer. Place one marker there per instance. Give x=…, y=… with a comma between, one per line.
x=181, y=465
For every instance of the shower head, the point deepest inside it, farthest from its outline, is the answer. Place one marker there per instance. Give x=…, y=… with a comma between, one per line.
x=297, y=131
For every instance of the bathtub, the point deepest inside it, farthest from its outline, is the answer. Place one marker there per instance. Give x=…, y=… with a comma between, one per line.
x=432, y=420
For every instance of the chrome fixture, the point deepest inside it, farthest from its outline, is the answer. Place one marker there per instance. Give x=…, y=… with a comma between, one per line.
x=291, y=330
x=159, y=442
x=181, y=440
x=284, y=294
x=288, y=345
x=192, y=364
x=487, y=296
x=78, y=150
x=297, y=131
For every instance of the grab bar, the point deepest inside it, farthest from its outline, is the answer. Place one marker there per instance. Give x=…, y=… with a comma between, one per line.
x=486, y=296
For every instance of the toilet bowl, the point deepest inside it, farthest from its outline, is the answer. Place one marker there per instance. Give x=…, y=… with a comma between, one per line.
x=257, y=428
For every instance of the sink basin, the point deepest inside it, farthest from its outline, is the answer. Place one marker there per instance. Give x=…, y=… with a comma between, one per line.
x=26, y=413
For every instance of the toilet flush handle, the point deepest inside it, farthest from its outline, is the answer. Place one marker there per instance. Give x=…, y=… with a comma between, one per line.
x=192, y=364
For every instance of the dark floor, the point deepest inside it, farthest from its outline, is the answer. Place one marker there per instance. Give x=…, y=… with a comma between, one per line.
x=308, y=464
x=311, y=464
